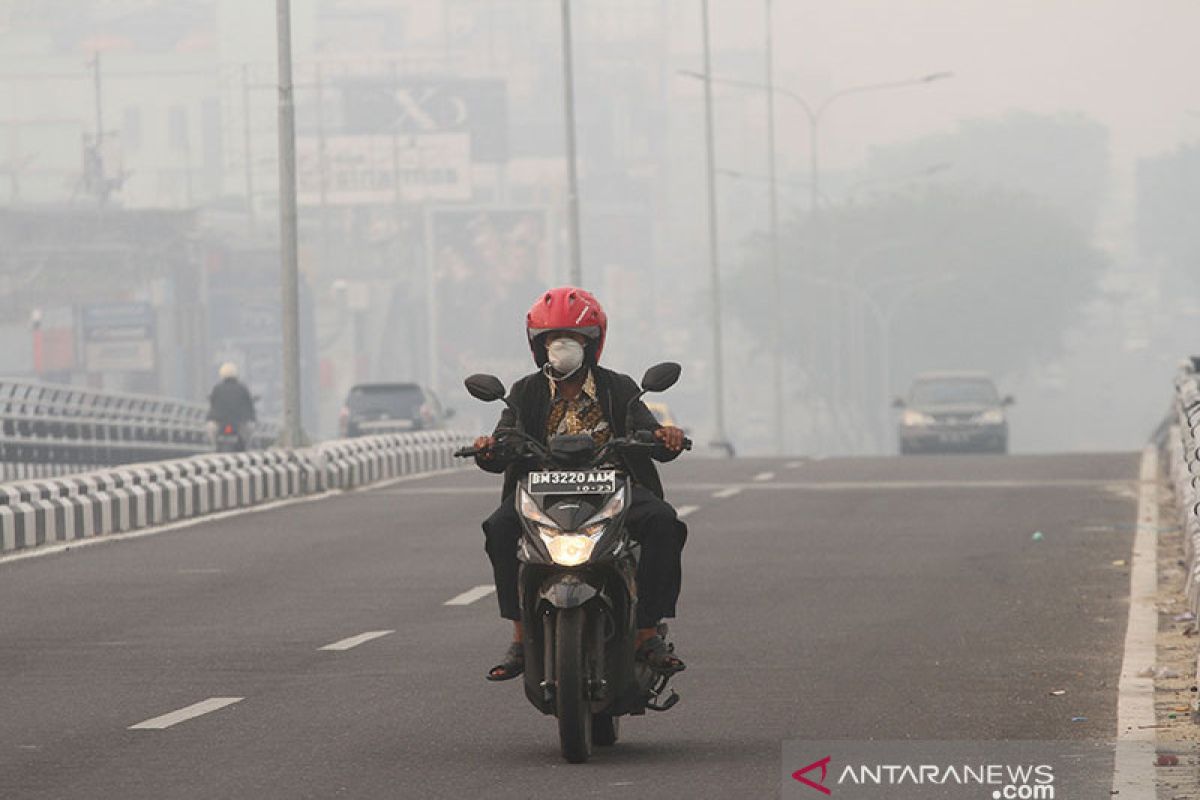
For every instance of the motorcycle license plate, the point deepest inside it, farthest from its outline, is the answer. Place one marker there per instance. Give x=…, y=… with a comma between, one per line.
x=603, y=481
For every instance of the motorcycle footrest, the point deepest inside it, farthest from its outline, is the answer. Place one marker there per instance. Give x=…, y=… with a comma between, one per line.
x=661, y=703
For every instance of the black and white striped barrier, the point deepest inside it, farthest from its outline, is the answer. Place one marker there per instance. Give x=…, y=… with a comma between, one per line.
x=57, y=510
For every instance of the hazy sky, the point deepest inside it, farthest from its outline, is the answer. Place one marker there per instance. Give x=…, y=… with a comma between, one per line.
x=1132, y=64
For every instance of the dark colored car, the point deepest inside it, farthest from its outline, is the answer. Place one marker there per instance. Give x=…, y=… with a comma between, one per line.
x=953, y=412
x=377, y=408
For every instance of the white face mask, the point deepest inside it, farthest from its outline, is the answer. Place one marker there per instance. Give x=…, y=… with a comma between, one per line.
x=566, y=356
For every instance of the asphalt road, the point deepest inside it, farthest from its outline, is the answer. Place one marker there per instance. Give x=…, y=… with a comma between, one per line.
x=858, y=598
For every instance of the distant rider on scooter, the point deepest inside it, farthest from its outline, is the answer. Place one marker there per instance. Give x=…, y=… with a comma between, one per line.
x=231, y=407
x=572, y=394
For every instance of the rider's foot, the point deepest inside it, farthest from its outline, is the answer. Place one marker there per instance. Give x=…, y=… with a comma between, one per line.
x=512, y=665
x=658, y=655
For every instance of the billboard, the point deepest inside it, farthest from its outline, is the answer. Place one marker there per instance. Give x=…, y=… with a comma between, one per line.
x=118, y=337
x=376, y=169
x=477, y=108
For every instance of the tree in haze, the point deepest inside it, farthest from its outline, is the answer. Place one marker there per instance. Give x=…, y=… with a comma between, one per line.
x=950, y=277
x=1168, y=213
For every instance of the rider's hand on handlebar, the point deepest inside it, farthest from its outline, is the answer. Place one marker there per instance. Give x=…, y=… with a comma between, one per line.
x=485, y=444
x=670, y=436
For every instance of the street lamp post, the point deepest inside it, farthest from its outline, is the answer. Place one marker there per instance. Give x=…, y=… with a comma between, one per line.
x=720, y=439
x=773, y=213
x=293, y=435
x=576, y=274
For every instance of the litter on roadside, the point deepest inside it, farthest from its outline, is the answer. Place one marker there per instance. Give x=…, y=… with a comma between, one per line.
x=1167, y=760
x=1186, y=616
x=1158, y=672
x=1038, y=536
x=1058, y=692
x=1078, y=719
x=1120, y=562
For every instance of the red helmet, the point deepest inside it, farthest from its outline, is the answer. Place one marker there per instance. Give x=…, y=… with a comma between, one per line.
x=567, y=309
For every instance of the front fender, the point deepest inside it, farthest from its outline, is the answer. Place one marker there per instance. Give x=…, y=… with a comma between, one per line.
x=566, y=591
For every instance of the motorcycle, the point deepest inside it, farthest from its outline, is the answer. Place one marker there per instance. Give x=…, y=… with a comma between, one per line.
x=577, y=584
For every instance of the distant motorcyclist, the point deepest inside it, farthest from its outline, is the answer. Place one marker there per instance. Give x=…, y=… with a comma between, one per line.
x=231, y=407
x=572, y=394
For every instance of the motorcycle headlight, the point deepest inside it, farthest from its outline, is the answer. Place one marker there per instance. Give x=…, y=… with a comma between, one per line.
x=916, y=418
x=993, y=416
x=530, y=511
x=614, y=506
x=568, y=549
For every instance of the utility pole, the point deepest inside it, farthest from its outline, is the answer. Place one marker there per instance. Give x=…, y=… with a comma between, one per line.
x=293, y=434
x=773, y=212
x=246, y=148
x=576, y=273
x=720, y=439
x=97, y=146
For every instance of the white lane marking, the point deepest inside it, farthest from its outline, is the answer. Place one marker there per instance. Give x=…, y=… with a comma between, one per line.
x=727, y=492
x=355, y=641
x=184, y=714
x=471, y=595
x=1133, y=768
x=74, y=544
x=683, y=511
x=764, y=476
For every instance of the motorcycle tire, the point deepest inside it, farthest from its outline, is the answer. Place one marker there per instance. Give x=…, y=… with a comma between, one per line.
x=573, y=704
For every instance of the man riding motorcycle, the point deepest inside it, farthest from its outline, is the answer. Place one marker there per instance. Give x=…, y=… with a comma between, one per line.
x=572, y=394
x=230, y=404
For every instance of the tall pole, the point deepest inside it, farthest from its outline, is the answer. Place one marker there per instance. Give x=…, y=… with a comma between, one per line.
x=776, y=290
x=98, y=152
x=576, y=274
x=246, y=147
x=293, y=435
x=720, y=439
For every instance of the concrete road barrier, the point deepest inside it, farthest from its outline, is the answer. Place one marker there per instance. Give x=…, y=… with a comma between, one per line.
x=34, y=513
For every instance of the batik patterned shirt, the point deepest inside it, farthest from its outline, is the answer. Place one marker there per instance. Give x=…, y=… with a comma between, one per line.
x=584, y=414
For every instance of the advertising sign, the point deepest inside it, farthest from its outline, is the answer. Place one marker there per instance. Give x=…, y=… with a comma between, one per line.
x=371, y=169
x=477, y=108
x=119, y=337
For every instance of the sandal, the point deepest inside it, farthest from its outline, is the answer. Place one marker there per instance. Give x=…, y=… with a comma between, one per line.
x=512, y=665
x=660, y=656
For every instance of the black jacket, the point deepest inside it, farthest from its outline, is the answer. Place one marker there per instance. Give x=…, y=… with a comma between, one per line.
x=230, y=403
x=531, y=395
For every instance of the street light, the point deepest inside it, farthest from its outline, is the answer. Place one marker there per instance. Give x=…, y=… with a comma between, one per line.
x=814, y=115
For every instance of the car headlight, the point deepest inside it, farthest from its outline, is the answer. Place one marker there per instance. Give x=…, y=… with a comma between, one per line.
x=993, y=416
x=916, y=418
x=568, y=549
x=530, y=511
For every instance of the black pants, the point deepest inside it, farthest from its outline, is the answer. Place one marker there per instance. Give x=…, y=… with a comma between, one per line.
x=650, y=521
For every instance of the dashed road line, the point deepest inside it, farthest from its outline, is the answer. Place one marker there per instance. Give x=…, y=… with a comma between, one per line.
x=355, y=641
x=184, y=714
x=683, y=511
x=728, y=491
x=471, y=595
x=764, y=476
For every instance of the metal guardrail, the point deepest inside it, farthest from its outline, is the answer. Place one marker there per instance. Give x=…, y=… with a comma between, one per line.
x=48, y=429
x=1183, y=453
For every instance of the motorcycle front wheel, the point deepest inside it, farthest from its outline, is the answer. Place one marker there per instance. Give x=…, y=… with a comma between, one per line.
x=573, y=704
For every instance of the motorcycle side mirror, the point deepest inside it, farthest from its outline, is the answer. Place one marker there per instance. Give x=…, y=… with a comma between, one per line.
x=661, y=377
x=487, y=388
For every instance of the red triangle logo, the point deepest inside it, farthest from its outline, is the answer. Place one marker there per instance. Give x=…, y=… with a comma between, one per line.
x=824, y=765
